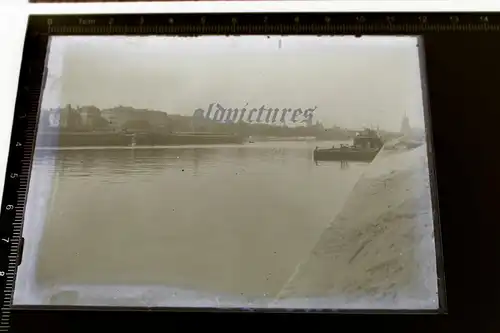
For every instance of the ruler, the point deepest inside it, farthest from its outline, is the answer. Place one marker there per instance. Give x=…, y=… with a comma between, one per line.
x=40, y=28
x=273, y=23
x=18, y=170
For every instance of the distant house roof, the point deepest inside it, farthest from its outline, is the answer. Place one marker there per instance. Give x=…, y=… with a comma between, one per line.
x=131, y=109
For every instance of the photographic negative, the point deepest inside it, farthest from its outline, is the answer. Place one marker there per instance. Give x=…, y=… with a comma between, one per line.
x=138, y=198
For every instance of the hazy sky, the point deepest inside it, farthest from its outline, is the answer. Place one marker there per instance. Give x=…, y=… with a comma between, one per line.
x=353, y=81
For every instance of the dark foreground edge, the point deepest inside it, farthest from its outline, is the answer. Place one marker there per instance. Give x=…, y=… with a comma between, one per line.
x=461, y=69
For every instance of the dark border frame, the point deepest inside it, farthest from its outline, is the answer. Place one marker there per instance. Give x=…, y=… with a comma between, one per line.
x=461, y=106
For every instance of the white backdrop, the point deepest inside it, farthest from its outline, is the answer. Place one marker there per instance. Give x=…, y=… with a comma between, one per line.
x=14, y=16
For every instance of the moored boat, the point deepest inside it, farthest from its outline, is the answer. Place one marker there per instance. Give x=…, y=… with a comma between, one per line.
x=345, y=154
x=365, y=147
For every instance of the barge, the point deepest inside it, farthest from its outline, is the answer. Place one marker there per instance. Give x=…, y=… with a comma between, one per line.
x=366, y=145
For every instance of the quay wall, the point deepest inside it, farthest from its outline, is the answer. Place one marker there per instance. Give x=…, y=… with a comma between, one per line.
x=379, y=251
x=60, y=139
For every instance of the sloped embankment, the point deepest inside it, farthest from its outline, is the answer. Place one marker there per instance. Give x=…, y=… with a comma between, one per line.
x=379, y=251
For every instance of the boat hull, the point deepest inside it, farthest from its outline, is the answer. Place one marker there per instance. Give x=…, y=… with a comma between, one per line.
x=413, y=145
x=344, y=155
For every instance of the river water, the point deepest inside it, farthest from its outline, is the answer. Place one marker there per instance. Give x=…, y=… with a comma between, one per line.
x=229, y=220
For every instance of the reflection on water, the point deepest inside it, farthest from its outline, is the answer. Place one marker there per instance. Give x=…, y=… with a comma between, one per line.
x=225, y=219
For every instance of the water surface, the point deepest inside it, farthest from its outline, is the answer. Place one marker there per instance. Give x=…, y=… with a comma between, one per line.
x=233, y=220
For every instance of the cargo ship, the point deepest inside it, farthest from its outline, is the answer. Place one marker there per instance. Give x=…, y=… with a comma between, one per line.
x=122, y=139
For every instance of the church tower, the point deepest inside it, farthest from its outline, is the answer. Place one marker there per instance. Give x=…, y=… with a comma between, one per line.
x=405, y=126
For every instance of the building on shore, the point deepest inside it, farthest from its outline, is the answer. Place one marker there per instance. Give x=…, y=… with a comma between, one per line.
x=130, y=119
x=91, y=117
x=64, y=118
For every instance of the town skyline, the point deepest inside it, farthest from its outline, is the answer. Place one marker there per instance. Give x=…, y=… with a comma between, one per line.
x=314, y=123
x=353, y=82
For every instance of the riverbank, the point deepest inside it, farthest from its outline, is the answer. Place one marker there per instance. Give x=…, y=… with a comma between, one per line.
x=121, y=139
x=379, y=251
